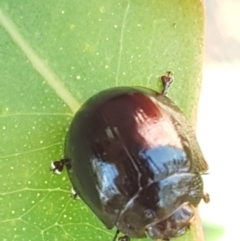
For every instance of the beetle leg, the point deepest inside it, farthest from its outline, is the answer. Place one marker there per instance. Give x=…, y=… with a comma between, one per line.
x=206, y=198
x=124, y=238
x=57, y=166
x=115, y=236
x=74, y=194
x=166, y=82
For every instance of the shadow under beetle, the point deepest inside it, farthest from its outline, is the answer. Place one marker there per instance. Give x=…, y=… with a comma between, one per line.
x=133, y=158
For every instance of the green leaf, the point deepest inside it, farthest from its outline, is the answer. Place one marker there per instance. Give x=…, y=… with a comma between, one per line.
x=53, y=56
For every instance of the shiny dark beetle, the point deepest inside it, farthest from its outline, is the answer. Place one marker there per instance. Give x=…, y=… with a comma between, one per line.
x=133, y=158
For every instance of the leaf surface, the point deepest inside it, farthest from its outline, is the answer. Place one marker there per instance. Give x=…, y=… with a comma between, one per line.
x=53, y=56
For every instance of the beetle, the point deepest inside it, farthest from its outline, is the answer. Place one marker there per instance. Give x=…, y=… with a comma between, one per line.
x=133, y=158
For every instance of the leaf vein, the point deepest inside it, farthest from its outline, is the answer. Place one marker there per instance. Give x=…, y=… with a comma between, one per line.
x=121, y=43
x=38, y=63
x=27, y=152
